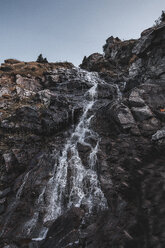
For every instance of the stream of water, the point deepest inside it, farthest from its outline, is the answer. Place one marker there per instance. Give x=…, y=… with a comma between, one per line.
x=83, y=187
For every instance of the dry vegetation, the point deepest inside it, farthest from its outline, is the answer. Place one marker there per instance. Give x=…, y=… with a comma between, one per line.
x=13, y=67
x=9, y=98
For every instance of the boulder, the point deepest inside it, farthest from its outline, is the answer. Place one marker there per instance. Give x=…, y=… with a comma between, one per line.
x=160, y=134
x=118, y=51
x=135, y=100
x=92, y=62
x=142, y=113
x=67, y=227
x=125, y=117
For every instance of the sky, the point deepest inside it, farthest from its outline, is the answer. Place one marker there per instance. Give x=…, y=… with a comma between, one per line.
x=68, y=30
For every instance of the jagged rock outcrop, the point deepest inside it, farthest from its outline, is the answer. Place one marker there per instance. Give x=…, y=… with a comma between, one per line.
x=133, y=61
x=115, y=62
x=82, y=153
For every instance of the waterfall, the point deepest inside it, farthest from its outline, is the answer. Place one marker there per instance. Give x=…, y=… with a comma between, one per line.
x=83, y=188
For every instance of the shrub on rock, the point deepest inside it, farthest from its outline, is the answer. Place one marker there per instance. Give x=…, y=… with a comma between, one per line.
x=40, y=59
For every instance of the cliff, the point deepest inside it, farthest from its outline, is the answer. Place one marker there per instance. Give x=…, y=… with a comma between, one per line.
x=82, y=150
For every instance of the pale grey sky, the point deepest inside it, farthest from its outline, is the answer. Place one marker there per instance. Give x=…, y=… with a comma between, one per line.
x=69, y=29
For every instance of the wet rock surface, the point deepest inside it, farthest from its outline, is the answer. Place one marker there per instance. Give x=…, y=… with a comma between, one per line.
x=67, y=227
x=121, y=152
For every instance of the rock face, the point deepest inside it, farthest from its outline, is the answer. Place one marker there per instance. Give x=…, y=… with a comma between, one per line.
x=134, y=61
x=82, y=161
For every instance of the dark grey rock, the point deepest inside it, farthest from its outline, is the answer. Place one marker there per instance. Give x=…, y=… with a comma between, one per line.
x=9, y=161
x=135, y=100
x=2, y=208
x=160, y=134
x=67, y=227
x=125, y=117
x=5, y=192
x=142, y=113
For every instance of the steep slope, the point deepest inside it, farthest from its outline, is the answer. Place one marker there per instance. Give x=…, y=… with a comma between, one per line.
x=82, y=161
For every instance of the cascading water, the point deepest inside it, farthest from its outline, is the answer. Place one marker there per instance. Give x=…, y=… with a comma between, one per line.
x=83, y=188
